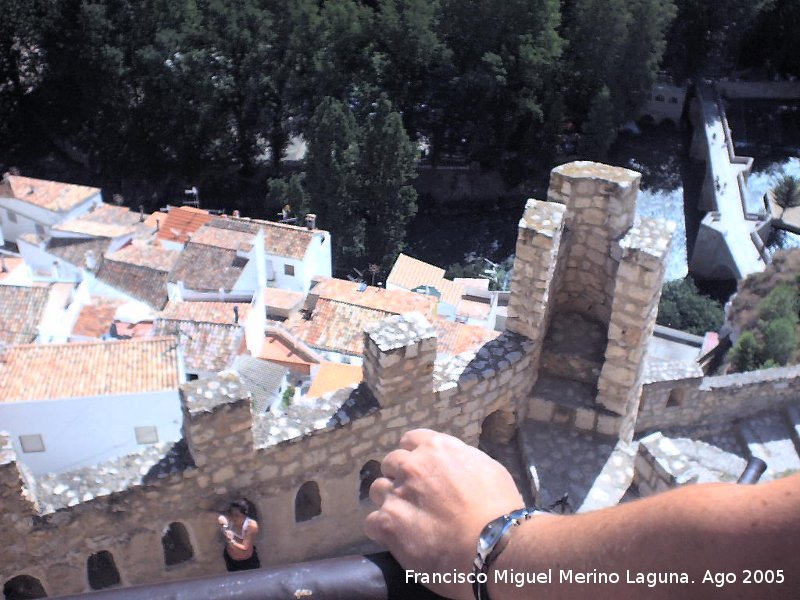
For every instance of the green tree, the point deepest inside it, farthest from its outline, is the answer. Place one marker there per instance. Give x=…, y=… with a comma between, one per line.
x=780, y=339
x=747, y=354
x=599, y=129
x=783, y=302
x=332, y=179
x=387, y=163
x=289, y=191
x=787, y=192
x=683, y=307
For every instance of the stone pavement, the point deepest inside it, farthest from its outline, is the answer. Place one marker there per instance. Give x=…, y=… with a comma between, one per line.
x=594, y=471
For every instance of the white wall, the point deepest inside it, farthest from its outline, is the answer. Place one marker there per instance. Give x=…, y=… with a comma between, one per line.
x=41, y=263
x=84, y=431
x=316, y=262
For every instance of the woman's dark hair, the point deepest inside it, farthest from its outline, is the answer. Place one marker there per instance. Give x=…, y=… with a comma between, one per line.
x=241, y=505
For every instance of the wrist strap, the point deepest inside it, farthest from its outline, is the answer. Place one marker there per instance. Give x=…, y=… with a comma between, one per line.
x=480, y=583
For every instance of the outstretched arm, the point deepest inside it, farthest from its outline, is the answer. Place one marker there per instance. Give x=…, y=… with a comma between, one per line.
x=437, y=494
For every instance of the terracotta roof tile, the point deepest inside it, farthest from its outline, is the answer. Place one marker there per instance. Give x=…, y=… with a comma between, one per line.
x=455, y=338
x=450, y=290
x=281, y=239
x=142, y=283
x=207, y=268
x=95, y=229
x=216, y=233
x=76, y=251
x=9, y=265
x=280, y=299
x=180, y=222
x=205, y=312
x=21, y=311
x=409, y=273
x=474, y=309
x=335, y=326
x=286, y=351
x=205, y=346
x=389, y=301
x=334, y=376
x=52, y=371
x=152, y=257
x=51, y=195
x=95, y=319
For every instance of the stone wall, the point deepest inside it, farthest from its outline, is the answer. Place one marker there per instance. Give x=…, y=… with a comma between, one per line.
x=50, y=531
x=713, y=400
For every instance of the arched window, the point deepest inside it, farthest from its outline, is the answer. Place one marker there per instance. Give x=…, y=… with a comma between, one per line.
x=176, y=544
x=23, y=587
x=498, y=428
x=102, y=570
x=307, y=503
x=369, y=473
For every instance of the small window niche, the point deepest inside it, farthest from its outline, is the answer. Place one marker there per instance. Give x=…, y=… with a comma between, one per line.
x=147, y=434
x=32, y=443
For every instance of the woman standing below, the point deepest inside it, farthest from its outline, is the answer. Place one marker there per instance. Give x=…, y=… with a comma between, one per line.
x=240, y=532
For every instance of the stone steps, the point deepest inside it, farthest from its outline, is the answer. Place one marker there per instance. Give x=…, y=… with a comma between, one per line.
x=769, y=437
x=570, y=403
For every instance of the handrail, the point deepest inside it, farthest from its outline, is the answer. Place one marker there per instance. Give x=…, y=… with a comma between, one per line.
x=370, y=577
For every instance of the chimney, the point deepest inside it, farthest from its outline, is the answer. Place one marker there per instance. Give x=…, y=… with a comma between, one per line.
x=3, y=267
x=235, y=315
x=311, y=221
x=235, y=214
x=141, y=213
x=158, y=224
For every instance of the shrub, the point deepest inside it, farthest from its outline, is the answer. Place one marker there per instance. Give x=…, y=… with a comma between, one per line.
x=780, y=339
x=781, y=303
x=747, y=353
x=683, y=307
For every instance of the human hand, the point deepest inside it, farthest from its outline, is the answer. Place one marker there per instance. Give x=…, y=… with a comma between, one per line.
x=223, y=521
x=435, y=497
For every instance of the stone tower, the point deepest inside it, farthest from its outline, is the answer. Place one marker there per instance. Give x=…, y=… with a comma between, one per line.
x=587, y=280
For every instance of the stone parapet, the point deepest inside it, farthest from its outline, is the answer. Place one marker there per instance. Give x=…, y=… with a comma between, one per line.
x=399, y=354
x=535, y=264
x=720, y=399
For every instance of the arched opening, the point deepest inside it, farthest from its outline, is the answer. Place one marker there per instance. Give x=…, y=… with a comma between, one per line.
x=498, y=428
x=176, y=544
x=23, y=587
x=307, y=503
x=102, y=570
x=369, y=473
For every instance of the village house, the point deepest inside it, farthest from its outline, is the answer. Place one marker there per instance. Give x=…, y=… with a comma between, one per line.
x=70, y=405
x=36, y=205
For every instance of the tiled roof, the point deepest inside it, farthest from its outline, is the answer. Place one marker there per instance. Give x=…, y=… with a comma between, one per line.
x=389, y=301
x=152, y=257
x=334, y=376
x=286, y=349
x=474, y=309
x=451, y=291
x=95, y=319
x=142, y=283
x=205, y=346
x=282, y=299
x=335, y=326
x=215, y=233
x=180, y=222
x=51, y=195
x=207, y=268
x=288, y=241
x=455, y=338
x=75, y=251
x=52, y=371
x=261, y=378
x=21, y=311
x=9, y=265
x=109, y=230
x=205, y=312
x=472, y=283
x=409, y=273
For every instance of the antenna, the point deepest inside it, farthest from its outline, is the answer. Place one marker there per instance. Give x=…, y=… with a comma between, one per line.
x=194, y=194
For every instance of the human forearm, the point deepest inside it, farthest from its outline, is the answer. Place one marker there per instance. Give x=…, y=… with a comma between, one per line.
x=621, y=551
